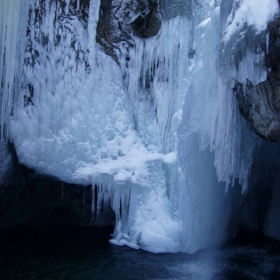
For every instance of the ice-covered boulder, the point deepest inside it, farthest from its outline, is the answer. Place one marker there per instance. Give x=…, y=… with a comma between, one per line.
x=249, y=59
x=260, y=103
x=119, y=21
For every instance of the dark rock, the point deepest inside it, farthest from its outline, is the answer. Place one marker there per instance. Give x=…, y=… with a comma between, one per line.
x=260, y=104
x=148, y=24
x=273, y=55
x=118, y=23
x=259, y=208
x=29, y=199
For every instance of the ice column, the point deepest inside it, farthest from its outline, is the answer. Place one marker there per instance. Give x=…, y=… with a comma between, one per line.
x=215, y=144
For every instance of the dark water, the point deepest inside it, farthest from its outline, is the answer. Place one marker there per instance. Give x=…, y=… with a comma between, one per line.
x=85, y=254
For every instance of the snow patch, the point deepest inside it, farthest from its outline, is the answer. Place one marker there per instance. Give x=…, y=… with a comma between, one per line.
x=254, y=13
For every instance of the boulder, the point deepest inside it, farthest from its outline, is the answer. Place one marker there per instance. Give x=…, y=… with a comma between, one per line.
x=120, y=21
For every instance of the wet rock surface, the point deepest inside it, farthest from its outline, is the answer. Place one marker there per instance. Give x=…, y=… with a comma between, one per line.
x=256, y=212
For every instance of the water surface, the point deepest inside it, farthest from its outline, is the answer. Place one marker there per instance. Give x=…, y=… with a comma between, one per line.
x=72, y=253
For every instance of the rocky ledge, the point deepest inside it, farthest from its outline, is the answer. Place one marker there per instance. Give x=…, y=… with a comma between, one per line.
x=260, y=104
x=30, y=199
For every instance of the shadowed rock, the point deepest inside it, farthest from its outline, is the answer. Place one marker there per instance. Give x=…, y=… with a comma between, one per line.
x=260, y=104
x=120, y=21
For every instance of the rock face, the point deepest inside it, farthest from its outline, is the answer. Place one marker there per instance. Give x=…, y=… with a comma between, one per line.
x=119, y=21
x=260, y=209
x=260, y=104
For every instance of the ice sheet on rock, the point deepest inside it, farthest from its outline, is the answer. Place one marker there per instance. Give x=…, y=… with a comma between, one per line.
x=243, y=55
x=243, y=49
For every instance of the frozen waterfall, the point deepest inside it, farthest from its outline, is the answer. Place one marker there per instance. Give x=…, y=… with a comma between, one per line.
x=158, y=135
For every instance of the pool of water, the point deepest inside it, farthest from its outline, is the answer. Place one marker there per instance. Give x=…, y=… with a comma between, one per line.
x=77, y=254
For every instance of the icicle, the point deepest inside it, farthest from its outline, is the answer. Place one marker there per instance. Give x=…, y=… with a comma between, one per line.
x=92, y=27
x=11, y=18
x=67, y=2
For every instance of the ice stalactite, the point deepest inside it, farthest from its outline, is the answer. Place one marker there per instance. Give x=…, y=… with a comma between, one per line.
x=94, y=8
x=215, y=144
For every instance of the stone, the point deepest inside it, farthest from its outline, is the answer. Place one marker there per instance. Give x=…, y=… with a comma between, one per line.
x=148, y=24
x=120, y=21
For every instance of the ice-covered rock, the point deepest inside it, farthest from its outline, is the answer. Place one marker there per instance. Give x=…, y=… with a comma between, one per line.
x=119, y=21
x=249, y=57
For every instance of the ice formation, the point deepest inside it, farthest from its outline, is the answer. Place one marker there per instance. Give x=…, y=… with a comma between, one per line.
x=159, y=136
x=12, y=24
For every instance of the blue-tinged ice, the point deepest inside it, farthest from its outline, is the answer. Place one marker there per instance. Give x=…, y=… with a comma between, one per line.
x=13, y=19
